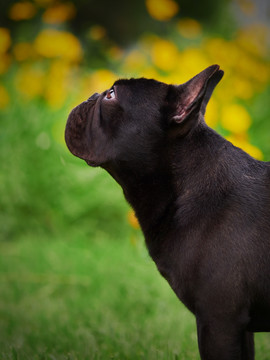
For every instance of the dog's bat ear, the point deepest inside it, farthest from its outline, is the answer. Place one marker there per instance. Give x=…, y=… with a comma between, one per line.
x=194, y=95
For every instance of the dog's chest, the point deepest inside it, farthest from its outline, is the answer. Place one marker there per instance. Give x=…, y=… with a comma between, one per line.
x=177, y=261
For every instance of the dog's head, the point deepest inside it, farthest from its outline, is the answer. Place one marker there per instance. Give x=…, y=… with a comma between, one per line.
x=130, y=121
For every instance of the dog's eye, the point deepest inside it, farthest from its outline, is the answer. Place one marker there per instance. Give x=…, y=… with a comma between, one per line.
x=110, y=95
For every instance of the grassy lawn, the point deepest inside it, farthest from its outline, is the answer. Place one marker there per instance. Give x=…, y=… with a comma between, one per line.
x=91, y=298
x=97, y=298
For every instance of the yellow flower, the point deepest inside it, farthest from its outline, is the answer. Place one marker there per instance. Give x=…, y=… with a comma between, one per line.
x=57, y=83
x=191, y=62
x=246, y=146
x=162, y=10
x=101, y=80
x=4, y=97
x=132, y=219
x=164, y=54
x=5, y=40
x=58, y=44
x=5, y=61
x=211, y=115
x=254, y=38
x=189, y=28
x=59, y=13
x=223, y=52
x=242, y=88
x=30, y=81
x=150, y=73
x=235, y=118
x=97, y=32
x=22, y=11
x=247, y=6
x=225, y=93
x=253, y=69
x=115, y=53
x=98, y=81
x=23, y=51
x=134, y=61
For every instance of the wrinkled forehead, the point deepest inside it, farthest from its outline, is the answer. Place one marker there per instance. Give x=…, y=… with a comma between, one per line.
x=141, y=88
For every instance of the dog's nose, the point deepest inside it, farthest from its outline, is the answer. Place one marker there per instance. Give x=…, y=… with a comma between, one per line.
x=93, y=97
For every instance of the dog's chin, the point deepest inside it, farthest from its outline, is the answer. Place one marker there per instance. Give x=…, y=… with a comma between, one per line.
x=92, y=163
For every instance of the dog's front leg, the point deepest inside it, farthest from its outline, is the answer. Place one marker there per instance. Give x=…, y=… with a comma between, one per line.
x=224, y=340
x=248, y=349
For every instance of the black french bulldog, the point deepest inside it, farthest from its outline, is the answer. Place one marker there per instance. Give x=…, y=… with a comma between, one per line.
x=202, y=203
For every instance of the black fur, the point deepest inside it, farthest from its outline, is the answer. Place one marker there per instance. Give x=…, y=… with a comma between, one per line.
x=202, y=203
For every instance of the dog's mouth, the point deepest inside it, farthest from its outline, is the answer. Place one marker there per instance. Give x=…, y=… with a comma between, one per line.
x=77, y=132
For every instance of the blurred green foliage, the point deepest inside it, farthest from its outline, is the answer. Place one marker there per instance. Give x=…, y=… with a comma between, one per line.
x=74, y=299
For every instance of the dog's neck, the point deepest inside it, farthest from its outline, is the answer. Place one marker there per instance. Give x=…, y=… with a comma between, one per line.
x=149, y=193
x=175, y=187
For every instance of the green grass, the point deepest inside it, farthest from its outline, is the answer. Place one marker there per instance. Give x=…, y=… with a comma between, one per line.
x=91, y=298
x=96, y=298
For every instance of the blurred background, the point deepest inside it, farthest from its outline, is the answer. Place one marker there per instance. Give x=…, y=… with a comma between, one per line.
x=76, y=279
